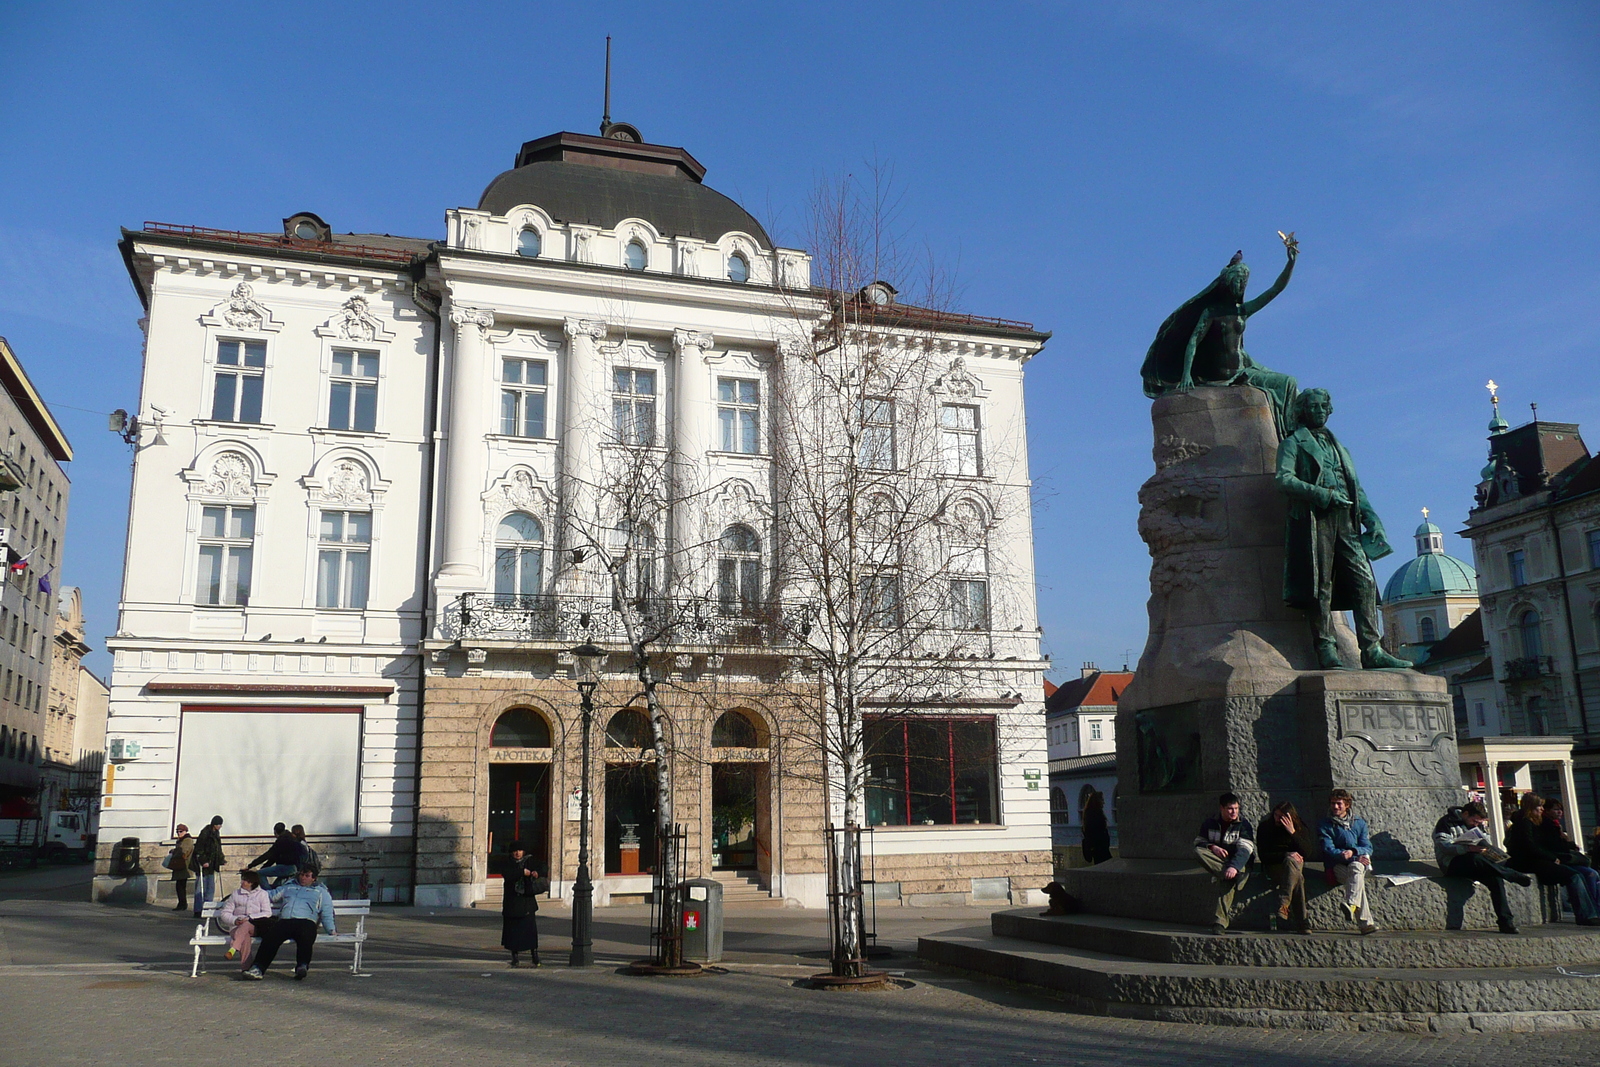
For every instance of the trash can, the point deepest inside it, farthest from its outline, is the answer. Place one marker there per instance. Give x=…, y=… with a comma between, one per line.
x=125, y=858
x=702, y=920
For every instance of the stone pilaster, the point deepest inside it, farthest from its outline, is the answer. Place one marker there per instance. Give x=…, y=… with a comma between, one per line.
x=461, y=570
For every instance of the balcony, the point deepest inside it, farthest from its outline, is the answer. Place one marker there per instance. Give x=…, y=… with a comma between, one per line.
x=661, y=621
x=1528, y=668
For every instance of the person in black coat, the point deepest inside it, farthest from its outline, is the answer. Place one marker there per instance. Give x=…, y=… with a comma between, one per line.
x=1529, y=854
x=1096, y=832
x=1283, y=843
x=519, y=928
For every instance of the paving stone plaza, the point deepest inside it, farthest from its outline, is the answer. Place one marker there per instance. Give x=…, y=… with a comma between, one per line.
x=439, y=991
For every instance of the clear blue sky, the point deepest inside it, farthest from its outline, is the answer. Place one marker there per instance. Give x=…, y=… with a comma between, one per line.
x=1086, y=167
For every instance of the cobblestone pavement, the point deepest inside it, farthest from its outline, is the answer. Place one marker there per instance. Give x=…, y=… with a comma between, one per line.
x=89, y=984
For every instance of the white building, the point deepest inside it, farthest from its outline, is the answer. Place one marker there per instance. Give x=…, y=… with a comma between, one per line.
x=1081, y=730
x=352, y=580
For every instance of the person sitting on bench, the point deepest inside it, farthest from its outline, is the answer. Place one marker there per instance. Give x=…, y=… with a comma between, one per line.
x=306, y=903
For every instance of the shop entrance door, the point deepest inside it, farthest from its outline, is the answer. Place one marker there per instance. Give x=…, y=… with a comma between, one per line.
x=519, y=810
x=630, y=818
x=734, y=795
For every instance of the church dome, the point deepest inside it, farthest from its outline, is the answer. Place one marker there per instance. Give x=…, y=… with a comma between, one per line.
x=599, y=181
x=1432, y=573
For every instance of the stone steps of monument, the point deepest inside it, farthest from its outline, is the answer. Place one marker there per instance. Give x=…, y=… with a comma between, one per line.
x=1321, y=998
x=1538, y=945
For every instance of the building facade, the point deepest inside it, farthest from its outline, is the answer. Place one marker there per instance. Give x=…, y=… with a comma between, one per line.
x=33, y=515
x=369, y=523
x=1081, y=732
x=75, y=727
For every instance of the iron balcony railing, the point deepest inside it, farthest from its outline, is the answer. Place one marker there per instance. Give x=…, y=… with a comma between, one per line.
x=1528, y=667
x=706, y=622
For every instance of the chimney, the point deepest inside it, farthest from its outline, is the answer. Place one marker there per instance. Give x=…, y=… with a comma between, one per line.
x=1088, y=669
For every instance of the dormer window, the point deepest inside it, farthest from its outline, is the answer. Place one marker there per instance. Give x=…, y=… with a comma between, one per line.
x=738, y=268
x=306, y=227
x=879, y=294
x=304, y=230
x=529, y=244
x=634, y=256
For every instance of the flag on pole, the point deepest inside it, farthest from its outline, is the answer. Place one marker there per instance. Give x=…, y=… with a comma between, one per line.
x=44, y=583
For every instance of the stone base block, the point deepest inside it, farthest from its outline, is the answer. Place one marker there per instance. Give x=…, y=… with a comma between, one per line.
x=1178, y=892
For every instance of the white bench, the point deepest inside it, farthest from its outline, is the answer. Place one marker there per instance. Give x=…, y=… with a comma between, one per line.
x=205, y=933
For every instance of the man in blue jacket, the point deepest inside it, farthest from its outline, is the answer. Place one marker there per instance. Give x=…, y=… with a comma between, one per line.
x=1225, y=845
x=306, y=903
x=1347, y=851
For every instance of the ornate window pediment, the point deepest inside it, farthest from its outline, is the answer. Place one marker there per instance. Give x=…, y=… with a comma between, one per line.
x=242, y=311
x=354, y=321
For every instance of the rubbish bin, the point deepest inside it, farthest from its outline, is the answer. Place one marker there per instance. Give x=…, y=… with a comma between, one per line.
x=125, y=858
x=702, y=920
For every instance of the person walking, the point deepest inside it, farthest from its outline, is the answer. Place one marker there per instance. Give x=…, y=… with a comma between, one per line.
x=306, y=904
x=1283, y=844
x=206, y=862
x=1225, y=845
x=519, y=926
x=1529, y=855
x=1462, y=851
x=282, y=859
x=246, y=913
x=1096, y=831
x=178, y=861
x=1347, y=851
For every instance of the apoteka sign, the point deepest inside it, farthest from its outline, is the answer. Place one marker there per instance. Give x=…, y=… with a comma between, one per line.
x=1395, y=725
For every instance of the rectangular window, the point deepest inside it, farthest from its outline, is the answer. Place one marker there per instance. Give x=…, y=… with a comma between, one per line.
x=1516, y=563
x=1094, y=730
x=523, y=385
x=877, y=434
x=1594, y=549
x=959, y=424
x=969, y=604
x=353, y=391
x=633, y=407
x=739, y=585
x=739, y=413
x=343, y=555
x=931, y=771
x=240, y=376
x=1483, y=719
x=227, y=535
x=880, y=601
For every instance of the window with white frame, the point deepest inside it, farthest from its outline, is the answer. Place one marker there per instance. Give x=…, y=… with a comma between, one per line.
x=633, y=406
x=739, y=571
x=634, y=257
x=226, y=541
x=1426, y=630
x=738, y=268
x=519, y=555
x=344, y=544
x=879, y=597
x=528, y=243
x=877, y=433
x=1094, y=730
x=523, y=387
x=959, y=427
x=353, y=391
x=968, y=568
x=239, y=381
x=969, y=604
x=739, y=414
x=634, y=544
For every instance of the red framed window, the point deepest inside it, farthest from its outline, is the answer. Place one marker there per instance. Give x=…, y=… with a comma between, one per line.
x=931, y=771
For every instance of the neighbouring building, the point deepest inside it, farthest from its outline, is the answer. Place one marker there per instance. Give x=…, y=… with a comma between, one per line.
x=1535, y=532
x=354, y=567
x=75, y=730
x=33, y=517
x=1081, y=732
x=1427, y=596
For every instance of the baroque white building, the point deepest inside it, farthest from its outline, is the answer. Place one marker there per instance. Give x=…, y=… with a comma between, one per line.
x=353, y=573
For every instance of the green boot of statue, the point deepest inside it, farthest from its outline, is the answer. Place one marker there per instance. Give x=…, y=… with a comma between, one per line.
x=1376, y=659
x=1328, y=656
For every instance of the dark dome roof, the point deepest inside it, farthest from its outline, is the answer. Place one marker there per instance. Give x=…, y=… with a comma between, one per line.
x=599, y=182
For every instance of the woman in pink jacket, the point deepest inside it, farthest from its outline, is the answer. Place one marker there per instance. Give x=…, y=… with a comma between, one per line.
x=246, y=910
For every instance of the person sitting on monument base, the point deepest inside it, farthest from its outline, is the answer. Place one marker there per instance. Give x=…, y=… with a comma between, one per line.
x=1225, y=845
x=1462, y=850
x=1326, y=557
x=1347, y=853
x=1283, y=844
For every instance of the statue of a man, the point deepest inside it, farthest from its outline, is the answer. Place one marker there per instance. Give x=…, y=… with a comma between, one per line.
x=1326, y=557
x=1202, y=343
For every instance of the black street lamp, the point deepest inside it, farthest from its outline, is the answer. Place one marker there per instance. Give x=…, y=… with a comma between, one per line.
x=587, y=658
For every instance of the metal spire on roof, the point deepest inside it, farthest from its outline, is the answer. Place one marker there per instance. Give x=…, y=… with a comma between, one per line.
x=605, y=119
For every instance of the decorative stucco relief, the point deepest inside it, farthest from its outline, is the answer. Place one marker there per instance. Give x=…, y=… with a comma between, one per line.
x=232, y=475
x=355, y=322
x=242, y=311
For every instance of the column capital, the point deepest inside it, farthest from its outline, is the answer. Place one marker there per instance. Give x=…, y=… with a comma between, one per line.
x=469, y=316
x=682, y=339
x=589, y=328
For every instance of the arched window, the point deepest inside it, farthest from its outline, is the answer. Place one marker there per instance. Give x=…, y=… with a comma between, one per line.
x=735, y=730
x=969, y=568
x=739, y=571
x=1538, y=721
x=738, y=268
x=637, y=542
x=634, y=257
x=1532, y=640
x=520, y=728
x=1059, y=813
x=529, y=244
x=629, y=728
x=519, y=555
x=1426, y=630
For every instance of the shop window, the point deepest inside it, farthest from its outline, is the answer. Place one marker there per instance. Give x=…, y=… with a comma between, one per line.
x=931, y=771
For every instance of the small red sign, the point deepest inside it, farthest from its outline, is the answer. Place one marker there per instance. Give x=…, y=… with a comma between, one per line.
x=691, y=920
